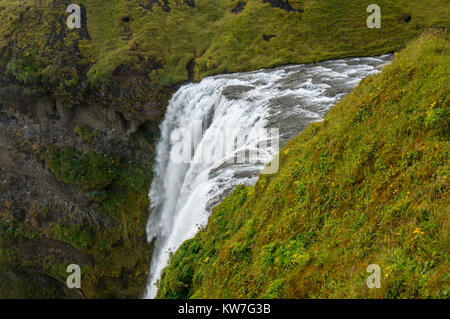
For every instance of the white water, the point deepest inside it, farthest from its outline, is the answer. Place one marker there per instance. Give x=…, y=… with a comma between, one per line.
x=288, y=98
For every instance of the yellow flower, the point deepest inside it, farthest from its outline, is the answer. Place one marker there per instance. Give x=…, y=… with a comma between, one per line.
x=387, y=275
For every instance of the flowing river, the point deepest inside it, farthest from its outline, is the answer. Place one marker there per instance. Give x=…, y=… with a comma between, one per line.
x=208, y=125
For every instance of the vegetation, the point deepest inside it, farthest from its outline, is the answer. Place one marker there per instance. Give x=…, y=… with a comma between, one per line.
x=120, y=253
x=150, y=46
x=368, y=185
x=14, y=286
x=115, y=257
x=165, y=38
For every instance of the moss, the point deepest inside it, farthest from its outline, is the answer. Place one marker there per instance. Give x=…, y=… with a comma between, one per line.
x=79, y=236
x=30, y=274
x=88, y=171
x=129, y=53
x=164, y=40
x=85, y=133
x=367, y=185
x=120, y=254
x=20, y=284
x=220, y=41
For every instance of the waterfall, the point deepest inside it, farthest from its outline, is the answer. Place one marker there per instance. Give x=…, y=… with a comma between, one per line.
x=209, y=126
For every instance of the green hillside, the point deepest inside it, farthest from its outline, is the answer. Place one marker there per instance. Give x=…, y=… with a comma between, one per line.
x=368, y=185
x=165, y=37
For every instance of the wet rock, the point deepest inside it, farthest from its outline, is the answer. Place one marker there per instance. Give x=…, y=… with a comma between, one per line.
x=233, y=92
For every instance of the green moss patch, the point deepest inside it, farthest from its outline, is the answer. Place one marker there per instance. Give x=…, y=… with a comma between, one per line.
x=120, y=254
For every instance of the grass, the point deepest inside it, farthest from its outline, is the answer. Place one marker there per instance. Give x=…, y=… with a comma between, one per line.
x=120, y=253
x=368, y=185
x=73, y=66
x=219, y=41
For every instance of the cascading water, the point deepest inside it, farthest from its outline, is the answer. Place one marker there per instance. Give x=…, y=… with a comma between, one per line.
x=288, y=98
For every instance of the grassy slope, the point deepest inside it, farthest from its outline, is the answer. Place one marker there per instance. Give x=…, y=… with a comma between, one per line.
x=367, y=185
x=221, y=41
x=123, y=32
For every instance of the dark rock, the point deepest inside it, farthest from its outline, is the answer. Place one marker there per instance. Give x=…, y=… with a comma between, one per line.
x=24, y=283
x=267, y=37
x=239, y=7
x=120, y=114
x=234, y=92
x=149, y=6
x=405, y=18
x=190, y=68
x=45, y=109
x=282, y=4
x=190, y=3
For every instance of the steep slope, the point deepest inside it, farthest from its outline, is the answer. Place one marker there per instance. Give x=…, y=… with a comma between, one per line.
x=368, y=185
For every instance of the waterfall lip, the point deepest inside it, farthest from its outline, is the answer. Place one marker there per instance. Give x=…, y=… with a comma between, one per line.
x=287, y=98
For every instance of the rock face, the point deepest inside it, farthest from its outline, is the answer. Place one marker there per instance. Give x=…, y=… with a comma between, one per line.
x=53, y=212
x=75, y=160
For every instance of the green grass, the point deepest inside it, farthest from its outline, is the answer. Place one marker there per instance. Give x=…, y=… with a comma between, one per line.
x=88, y=171
x=221, y=41
x=39, y=50
x=368, y=185
x=163, y=43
